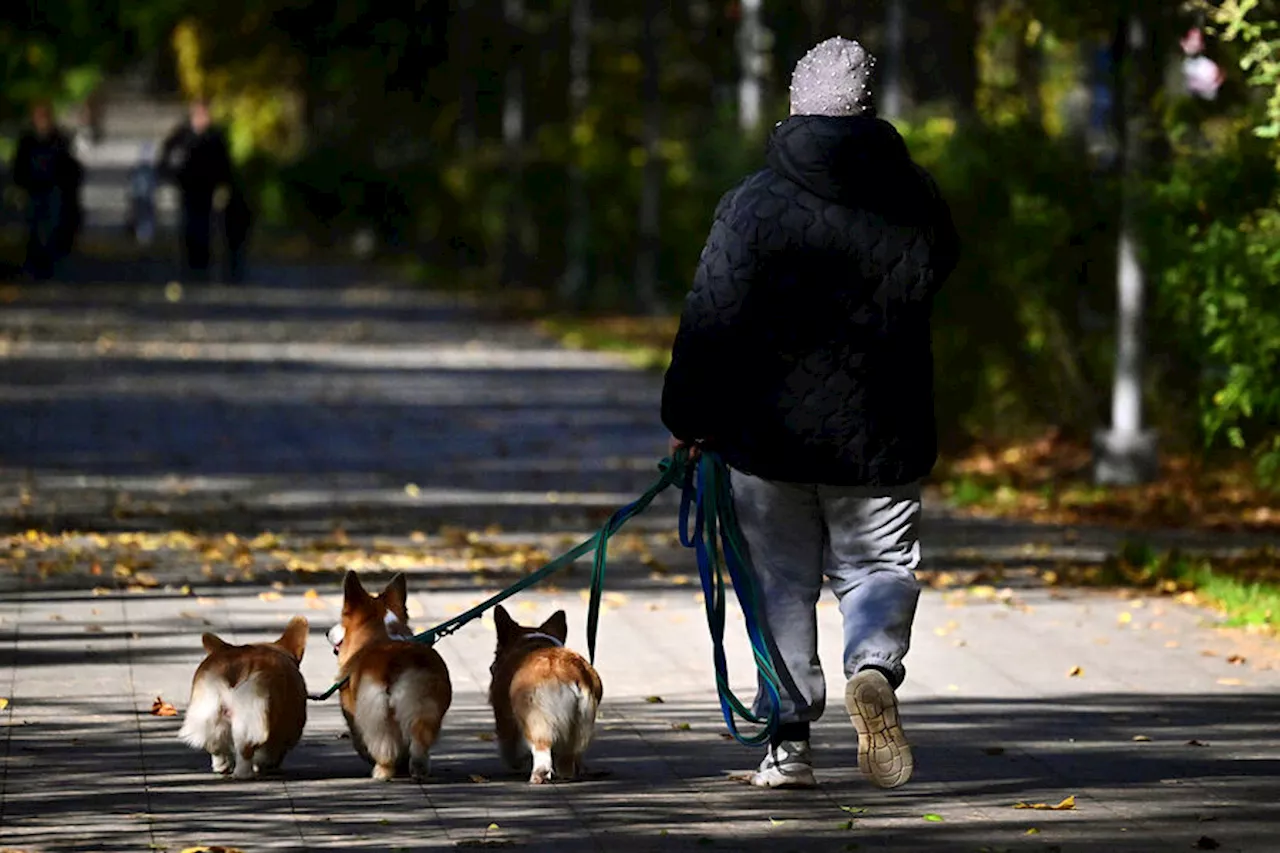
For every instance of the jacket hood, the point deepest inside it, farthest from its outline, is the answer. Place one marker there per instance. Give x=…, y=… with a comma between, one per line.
x=852, y=160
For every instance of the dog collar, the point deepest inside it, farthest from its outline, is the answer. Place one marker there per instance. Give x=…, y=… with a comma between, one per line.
x=538, y=635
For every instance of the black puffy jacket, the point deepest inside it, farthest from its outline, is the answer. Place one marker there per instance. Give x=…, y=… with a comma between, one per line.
x=804, y=350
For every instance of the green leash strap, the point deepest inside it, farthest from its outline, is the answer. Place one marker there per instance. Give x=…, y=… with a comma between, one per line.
x=599, y=542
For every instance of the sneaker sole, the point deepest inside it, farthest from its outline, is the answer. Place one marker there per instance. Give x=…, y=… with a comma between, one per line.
x=884, y=756
x=793, y=782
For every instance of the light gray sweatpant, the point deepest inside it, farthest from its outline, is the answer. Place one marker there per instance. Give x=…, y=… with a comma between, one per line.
x=865, y=541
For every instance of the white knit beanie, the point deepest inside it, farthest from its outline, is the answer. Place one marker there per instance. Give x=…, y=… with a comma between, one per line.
x=833, y=79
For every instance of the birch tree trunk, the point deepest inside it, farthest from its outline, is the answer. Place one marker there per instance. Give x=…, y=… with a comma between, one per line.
x=751, y=65
x=895, y=47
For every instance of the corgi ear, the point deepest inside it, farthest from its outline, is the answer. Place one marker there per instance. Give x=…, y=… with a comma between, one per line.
x=294, y=638
x=352, y=590
x=213, y=643
x=507, y=627
x=557, y=626
x=396, y=597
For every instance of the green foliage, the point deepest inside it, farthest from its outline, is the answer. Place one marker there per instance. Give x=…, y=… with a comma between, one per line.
x=1253, y=24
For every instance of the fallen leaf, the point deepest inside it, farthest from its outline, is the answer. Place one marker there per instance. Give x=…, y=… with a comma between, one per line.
x=1125, y=618
x=1236, y=660
x=1194, y=742
x=487, y=737
x=1032, y=831
x=1204, y=842
x=311, y=594
x=1141, y=739
x=775, y=822
x=1067, y=804
x=161, y=708
x=478, y=779
x=1172, y=644
x=846, y=825
x=653, y=700
x=1075, y=672
x=215, y=849
x=412, y=490
x=270, y=595
x=681, y=727
x=4, y=703
x=854, y=809
x=933, y=818
x=1230, y=682
x=492, y=826
x=993, y=750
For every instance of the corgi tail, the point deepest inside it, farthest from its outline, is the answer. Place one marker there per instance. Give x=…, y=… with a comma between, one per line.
x=221, y=716
x=563, y=714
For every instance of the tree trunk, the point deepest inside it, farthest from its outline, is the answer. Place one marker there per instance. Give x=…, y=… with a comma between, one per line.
x=651, y=183
x=575, y=283
x=468, y=109
x=893, y=103
x=1126, y=454
x=1029, y=60
x=751, y=63
x=513, y=260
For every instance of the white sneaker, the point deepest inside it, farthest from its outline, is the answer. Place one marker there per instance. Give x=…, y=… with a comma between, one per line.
x=884, y=756
x=787, y=765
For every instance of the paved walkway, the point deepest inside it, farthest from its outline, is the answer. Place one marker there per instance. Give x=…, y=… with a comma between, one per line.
x=352, y=421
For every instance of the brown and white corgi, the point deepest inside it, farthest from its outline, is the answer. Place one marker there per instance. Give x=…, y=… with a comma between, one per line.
x=398, y=691
x=248, y=703
x=544, y=698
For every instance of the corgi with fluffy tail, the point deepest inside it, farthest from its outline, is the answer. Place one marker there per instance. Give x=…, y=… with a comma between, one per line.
x=544, y=698
x=397, y=691
x=248, y=703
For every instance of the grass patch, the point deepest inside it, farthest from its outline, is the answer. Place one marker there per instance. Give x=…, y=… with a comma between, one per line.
x=645, y=341
x=1244, y=587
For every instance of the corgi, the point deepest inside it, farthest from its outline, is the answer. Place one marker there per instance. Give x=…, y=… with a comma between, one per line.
x=544, y=698
x=397, y=691
x=248, y=703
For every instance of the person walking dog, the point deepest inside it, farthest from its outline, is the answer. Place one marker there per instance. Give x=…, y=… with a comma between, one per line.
x=804, y=359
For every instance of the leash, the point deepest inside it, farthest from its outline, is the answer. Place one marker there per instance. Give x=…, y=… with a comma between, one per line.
x=717, y=542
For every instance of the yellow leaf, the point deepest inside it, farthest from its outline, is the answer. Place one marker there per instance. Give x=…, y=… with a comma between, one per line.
x=652, y=700
x=1075, y=672
x=1141, y=739
x=1125, y=618
x=161, y=708
x=4, y=703
x=478, y=779
x=311, y=593
x=1230, y=682
x=493, y=826
x=412, y=490
x=270, y=595
x=1066, y=805
x=1032, y=831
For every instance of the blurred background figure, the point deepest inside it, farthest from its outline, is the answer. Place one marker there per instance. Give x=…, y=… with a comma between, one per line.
x=143, y=182
x=46, y=169
x=195, y=156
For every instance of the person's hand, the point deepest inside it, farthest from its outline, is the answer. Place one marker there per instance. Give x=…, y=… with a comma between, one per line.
x=694, y=450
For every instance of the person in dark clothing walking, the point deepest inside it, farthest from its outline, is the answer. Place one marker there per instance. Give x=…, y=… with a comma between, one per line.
x=804, y=359
x=195, y=156
x=47, y=170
